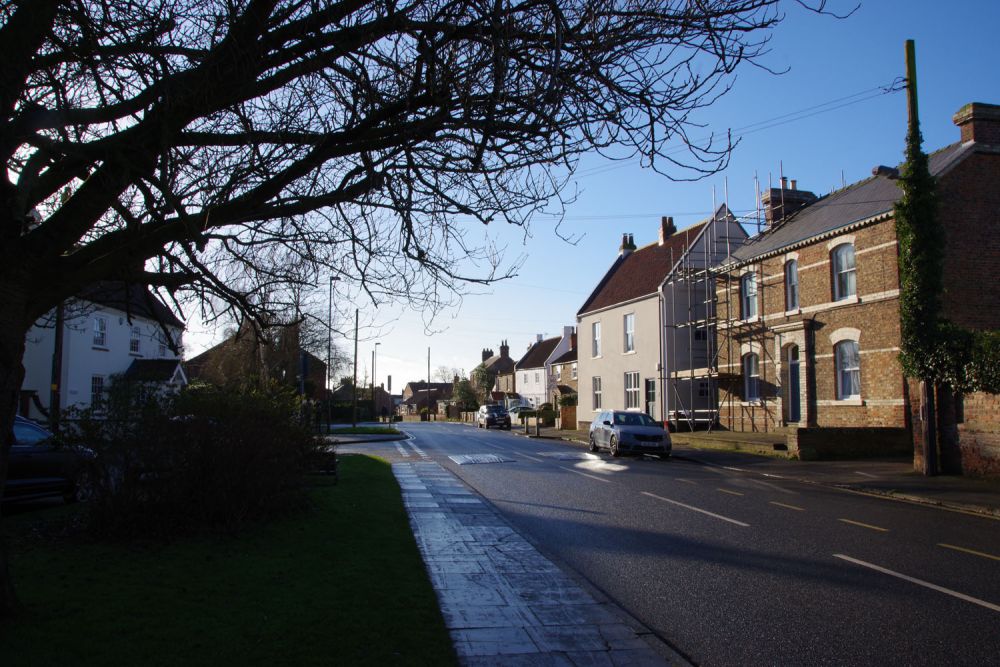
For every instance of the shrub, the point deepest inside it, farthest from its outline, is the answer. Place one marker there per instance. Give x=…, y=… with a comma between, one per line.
x=206, y=460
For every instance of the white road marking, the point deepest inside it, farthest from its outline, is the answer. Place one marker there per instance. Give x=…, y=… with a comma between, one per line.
x=689, y=481
x=732, y=493
x=791, y=507
x=696, y=509
x=606, y=481
x=865, y=525
x=402, y=451
x=417, y=449
x=920, y=582
x=528, y=456
x=773, y=487
x=858, y=472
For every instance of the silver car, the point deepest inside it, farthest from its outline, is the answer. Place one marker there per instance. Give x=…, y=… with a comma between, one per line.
x=623, y=431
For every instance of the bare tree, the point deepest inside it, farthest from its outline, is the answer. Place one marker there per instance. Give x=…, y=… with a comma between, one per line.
x=231, y=148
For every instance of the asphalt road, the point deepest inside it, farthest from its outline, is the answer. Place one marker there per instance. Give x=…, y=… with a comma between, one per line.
x=731, y=568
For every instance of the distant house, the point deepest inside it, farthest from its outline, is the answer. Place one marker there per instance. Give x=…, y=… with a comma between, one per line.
x=564, y=368
x=109, y=329
x=244, y=357
x=420, y=395
x=809, y=310
x=535, y=380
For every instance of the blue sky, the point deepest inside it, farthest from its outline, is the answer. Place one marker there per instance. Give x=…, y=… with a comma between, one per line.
x=827, y=60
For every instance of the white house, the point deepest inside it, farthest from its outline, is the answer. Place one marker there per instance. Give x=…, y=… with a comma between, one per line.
x=109, y=328
x=535, y=380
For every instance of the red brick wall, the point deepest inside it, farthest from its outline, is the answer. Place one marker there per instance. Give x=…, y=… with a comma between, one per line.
x=979, y=435
x=970, y=212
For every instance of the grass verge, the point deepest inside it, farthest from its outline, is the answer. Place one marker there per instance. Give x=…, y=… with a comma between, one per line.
x=365, y=430
x=340, y=584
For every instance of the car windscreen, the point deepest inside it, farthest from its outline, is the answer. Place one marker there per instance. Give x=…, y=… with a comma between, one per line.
x=29, y=434
x=634, y=419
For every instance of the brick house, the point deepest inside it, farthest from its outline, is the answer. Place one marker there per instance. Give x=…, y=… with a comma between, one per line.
x=808, y=326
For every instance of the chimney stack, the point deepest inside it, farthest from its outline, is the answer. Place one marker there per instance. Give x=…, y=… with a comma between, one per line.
x=667, y=229
x=979, y=122
x=780, y=203
x=504, y=349
x=627, y=246
x=487, y=353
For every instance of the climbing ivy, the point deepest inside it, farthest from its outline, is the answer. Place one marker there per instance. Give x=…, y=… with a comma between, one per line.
x=932, y=347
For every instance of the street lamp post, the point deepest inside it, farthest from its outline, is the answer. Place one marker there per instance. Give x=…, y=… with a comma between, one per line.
x=329, y=355
x=375, y=383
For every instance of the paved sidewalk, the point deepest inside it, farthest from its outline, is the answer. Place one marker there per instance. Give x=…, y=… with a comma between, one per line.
x=503, y=602
x=891, y=478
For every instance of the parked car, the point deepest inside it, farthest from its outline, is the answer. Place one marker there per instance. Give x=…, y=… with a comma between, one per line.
x=621, y=431
x=493, y=415
x=39, y=466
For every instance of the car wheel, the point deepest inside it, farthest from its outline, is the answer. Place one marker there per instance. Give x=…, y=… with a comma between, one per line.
x=613, y=446
x=593, y=443
x=83, y=487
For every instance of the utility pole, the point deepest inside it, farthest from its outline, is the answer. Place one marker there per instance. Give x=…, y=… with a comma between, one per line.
x=928, y=387
x=375, y=409
x=428, y=382
x=354, y=385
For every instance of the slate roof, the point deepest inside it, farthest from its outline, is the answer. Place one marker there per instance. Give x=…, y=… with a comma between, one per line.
x=152, y=370
x=539, y=352
x=566, y=357
x=499, y=364
x=130, y=299
x=641, y=271
x=857, y=202
x=442, y=387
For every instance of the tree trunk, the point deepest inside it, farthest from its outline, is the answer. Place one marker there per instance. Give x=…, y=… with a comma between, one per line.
x=13, y=329
x=11, y=375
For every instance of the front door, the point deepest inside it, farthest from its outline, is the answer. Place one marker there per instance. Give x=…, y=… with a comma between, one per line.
x=651, y=398
x=794, y=408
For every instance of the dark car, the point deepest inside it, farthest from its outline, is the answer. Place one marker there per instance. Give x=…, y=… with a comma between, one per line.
x=621, y=431
x=39, y=466
x=493, y=415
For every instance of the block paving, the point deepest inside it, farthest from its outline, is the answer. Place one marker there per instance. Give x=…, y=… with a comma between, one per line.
x=503, y=602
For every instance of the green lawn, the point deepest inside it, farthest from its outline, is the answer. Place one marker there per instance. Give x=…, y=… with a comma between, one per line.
x=340, y=585
x=365, y=430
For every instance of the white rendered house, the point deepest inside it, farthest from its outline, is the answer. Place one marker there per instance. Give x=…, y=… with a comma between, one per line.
x=109, y=328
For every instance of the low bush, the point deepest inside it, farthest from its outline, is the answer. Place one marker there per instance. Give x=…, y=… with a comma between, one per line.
x=204, y=461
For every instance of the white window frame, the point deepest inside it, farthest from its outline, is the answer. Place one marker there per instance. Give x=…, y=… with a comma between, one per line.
x=628, y=327
x=748, y=296
x=537, y=378
x=633, y=391
x=792, y=285
x=844, y=365
x=574, y=370
x=595, y=332
x=751, y=377
x=135, y=339
x=843, y=264
x=595, y=383
x=97, y=390
x=100, y=332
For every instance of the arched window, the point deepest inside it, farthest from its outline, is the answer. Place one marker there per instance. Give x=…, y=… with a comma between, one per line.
x=848, y=359
x=844, y=283
x=791, y=285
x=748, y=296
x=751, y=377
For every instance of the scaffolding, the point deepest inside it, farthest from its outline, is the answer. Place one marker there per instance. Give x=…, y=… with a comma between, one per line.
x=702, y=370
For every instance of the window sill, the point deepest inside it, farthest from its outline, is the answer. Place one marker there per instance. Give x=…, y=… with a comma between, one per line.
x=628, y=353
x=793, y=312
x=750, y=320
x=135, y=354
x=852, y=400
x=846, y=300
x=100, y=348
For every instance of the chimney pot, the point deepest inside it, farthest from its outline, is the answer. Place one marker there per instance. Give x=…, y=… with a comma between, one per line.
x=628, y=245
x=667, y=229
x=794, y=182
x=779, y=203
